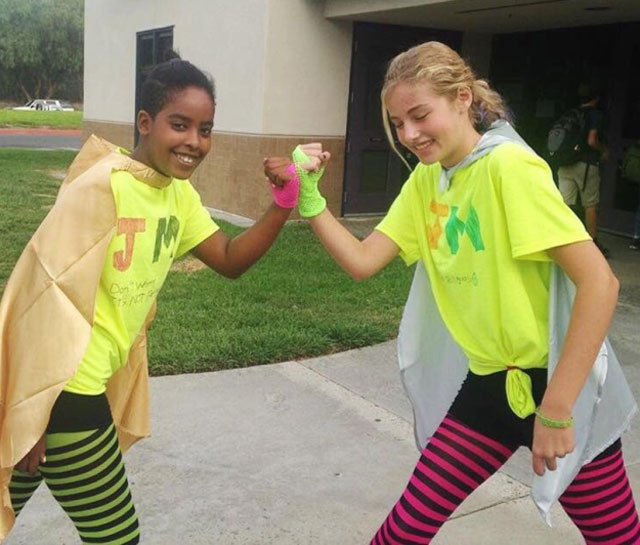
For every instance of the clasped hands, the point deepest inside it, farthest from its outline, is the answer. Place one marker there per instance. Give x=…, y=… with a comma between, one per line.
x=295, y=181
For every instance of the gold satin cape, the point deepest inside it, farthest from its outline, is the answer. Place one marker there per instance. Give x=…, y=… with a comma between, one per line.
x=46, y=313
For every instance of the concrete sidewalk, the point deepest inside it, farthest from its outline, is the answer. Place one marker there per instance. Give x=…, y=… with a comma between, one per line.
x=316, y=452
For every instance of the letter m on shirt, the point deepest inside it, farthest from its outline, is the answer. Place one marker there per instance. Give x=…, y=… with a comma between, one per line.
x=167, y=233
x=455, y=228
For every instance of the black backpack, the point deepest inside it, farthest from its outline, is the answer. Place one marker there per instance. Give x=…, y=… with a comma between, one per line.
x=566, y=140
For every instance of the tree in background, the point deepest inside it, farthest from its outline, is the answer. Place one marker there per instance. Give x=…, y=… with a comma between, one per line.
x=41, y=48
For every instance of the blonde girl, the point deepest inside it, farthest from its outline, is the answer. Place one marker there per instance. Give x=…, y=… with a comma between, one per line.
x=499, y=337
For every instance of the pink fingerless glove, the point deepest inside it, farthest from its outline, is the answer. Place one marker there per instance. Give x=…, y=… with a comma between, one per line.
x=287, y=196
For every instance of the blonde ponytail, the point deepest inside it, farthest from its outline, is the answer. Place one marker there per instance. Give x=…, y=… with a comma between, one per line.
x=487, y=106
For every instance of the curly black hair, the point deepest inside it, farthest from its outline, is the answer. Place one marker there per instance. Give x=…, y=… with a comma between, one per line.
x=171, y=76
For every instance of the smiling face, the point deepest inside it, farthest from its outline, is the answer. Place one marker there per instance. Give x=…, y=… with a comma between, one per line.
x=178, y=138
x=434, y=127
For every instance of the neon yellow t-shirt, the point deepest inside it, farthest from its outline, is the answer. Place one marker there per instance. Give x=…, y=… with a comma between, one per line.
x=483, y=244
x=154, y=226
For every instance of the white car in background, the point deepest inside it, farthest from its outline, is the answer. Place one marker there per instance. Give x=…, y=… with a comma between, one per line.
x=48, y=105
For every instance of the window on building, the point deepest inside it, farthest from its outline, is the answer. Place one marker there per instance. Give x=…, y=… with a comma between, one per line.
x=152, y=47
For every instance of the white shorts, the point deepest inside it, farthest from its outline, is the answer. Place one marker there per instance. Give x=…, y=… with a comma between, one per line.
x=572, y=181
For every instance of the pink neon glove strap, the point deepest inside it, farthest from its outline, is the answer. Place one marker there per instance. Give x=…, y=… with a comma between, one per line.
x=287, y=196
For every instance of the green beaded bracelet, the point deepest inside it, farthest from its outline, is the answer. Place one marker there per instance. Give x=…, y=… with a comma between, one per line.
x=551, y=423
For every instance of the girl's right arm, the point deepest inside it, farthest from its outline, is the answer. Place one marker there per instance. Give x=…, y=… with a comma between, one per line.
x=360, y=259
x=32, y=460
x=231, y=257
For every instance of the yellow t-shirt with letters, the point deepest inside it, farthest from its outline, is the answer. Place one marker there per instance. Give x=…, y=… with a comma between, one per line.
x=483, y=245
x=154, y=226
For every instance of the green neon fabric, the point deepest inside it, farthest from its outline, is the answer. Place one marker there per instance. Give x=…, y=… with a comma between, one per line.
x=86, y=475
x=311, y=202
x=551, y=423
x=520, y=393
x=154, y=227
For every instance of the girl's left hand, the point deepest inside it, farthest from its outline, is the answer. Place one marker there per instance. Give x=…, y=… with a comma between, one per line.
x=549, y=444
x=276, y=169
x=32, y=460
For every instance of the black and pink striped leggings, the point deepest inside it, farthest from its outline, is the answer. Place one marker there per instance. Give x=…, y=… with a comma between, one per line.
x=459, y=458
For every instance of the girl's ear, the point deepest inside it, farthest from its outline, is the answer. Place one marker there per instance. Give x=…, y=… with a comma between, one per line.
x=465, y=98
x=144, y=122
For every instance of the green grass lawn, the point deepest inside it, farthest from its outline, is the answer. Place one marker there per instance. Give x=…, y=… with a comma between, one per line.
x=57, y=120
x=295, y=303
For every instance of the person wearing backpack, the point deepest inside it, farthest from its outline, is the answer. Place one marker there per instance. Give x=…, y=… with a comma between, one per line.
x=579, y=174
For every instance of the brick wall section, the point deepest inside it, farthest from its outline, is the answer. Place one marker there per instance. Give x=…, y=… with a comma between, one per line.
x=231, y=177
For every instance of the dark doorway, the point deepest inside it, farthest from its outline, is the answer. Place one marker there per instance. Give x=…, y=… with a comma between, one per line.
x=152, y=47
x=620, y=196
x=373, y=172
x=539, y=74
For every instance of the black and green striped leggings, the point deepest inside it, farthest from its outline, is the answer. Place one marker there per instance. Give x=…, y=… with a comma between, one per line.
x=85, y=472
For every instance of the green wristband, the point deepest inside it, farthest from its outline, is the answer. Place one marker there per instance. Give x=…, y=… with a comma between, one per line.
x=551, y=423
x=311, y=202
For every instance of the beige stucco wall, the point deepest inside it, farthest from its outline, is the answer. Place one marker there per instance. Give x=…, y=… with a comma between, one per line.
x=222, y=37
x=307, y=67
x=350, y=8
x=280, y=67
